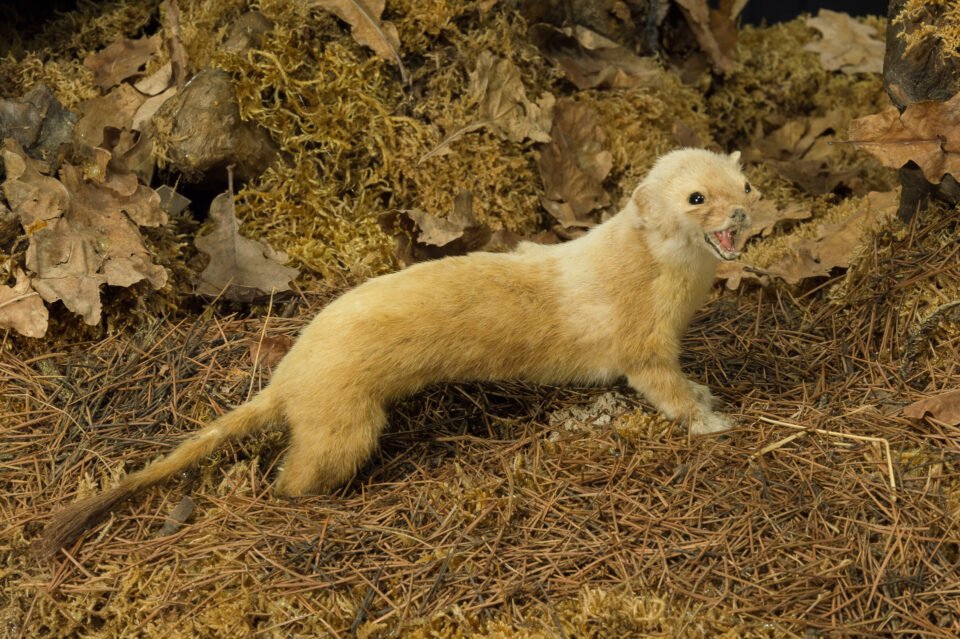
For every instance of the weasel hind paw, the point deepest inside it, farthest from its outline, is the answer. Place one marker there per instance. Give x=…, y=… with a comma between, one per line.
x=711, y=423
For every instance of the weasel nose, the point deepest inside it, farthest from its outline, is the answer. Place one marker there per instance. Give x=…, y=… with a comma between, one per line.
x=739, y=216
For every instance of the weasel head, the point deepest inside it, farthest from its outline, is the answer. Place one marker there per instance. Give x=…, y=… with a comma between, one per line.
x=698, y=197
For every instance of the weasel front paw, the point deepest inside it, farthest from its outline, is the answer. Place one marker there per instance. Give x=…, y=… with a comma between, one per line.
x=710, y=423
x=702, y=394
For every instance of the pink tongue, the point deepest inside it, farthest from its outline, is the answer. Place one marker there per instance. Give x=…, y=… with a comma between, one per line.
x=726, y=239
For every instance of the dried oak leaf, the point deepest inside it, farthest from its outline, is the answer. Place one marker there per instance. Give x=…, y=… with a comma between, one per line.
x=240, y=269
x=835, y=244
x=944, y=408
x=847, y=45
x=366, y=26
x=121, y=59
x=926, y=132
x=115, y=109
x=503, y=103
x=574, y=165
x=765, y=216
x=95, y=241
x=39, y=123
x=715, y=29
x=22, y=309
x=802, y=151
x=591, y=61
x=9, y=225
x=34, y=198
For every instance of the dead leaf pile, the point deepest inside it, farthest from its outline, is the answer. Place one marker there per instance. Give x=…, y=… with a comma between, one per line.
x=847, y=45
x=591, y=61
x=574, y=165
x=83, y=233
x=240, y=269
x=927, y=133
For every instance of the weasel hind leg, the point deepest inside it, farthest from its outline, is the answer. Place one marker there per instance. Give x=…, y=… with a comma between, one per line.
x=328, y=445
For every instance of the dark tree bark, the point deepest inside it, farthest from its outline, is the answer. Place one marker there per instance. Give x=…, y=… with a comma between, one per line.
x=920, y=74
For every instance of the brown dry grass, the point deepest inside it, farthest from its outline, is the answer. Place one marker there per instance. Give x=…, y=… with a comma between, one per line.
x=481, y=514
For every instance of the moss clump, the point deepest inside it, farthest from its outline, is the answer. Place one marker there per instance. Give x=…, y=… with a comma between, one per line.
x=937, y=20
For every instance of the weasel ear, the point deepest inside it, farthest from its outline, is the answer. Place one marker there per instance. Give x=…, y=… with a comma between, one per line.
x=639, y=205
x=735, y=156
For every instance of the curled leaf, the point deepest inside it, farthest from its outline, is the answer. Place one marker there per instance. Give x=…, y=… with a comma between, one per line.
x=367, y=27
x=240, y=269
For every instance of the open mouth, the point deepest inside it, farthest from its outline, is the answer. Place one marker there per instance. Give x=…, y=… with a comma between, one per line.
x=724, y=243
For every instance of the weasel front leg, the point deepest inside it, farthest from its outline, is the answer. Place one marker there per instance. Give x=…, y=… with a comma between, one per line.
x=663, y=383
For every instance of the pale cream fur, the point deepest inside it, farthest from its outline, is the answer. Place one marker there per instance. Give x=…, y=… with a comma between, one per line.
x=613, y=302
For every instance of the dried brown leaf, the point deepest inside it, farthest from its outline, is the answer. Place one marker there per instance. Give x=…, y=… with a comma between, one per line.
x=733, y=273
x=34, y=198
x=847, y=45
x=157, y=82
x=944, y=408
x=591, y=61
x=803, y=151
x=240, y=269
x=927, y=133
x=574, y=165
x=116, y=110
x=765, y=216
x=121, y=59
x=22, y=309
x=714, y=29
x=366, y=26
x=503, y=103
x=836, y=243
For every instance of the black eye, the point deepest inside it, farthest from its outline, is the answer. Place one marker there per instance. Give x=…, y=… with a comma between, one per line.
x=746, y=187
x=697, y=198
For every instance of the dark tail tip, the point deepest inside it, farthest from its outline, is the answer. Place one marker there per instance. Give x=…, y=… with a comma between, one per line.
x=68, y=524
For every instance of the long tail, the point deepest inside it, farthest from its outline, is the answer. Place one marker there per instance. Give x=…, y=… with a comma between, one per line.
x=67, y=525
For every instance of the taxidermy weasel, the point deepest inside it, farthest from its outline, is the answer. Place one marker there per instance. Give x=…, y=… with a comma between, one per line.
x=611, y=303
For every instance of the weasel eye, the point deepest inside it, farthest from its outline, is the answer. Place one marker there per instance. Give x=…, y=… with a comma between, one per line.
x=746, y=187
x=697, y=198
